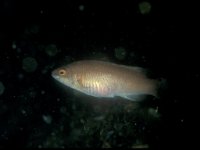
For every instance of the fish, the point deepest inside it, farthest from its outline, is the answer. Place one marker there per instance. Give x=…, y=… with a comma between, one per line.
x=104, y=79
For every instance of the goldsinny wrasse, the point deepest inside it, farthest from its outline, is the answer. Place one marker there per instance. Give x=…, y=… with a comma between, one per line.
x=105, y=79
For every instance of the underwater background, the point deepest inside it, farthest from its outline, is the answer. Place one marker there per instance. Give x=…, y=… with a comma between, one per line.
x=38, y=36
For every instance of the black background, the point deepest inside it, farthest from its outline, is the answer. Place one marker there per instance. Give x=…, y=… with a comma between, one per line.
x=165, y=36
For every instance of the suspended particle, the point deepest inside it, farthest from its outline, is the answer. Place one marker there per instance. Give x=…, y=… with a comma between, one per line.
x=14, y=46
x=23, y=112
x=154, y=112
x=120, y=53
x=144, y=7
x=29, y=64
x=81, y=7
x=51, y=50
x=42, y=92
x=47, y=119
x=41, y=11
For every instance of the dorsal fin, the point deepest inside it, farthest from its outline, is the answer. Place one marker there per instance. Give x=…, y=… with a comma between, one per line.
x=137, y=69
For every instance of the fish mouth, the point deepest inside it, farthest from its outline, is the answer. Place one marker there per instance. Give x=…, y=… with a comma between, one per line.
x=54, y=75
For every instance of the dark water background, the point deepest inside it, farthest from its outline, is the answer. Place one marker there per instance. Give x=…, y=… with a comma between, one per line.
x=38, y=36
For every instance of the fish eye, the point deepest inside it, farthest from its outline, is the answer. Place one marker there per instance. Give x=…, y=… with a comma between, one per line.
x=62, y=72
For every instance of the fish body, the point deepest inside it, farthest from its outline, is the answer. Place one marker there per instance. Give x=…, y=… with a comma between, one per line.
x=105, y=79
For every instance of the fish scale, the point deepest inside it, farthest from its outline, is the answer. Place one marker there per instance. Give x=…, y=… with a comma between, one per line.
x=105, y=79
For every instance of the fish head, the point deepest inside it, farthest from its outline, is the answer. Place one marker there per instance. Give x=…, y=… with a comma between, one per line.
x=66, y=76
x=62, y=75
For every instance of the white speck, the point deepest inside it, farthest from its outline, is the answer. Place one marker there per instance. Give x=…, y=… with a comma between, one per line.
x=23, y=112
x=81, y=7
x=41, y=11
x=47, y=119
x=14, y=46
x=182, y=120
x=42, y=92
x=154, y=112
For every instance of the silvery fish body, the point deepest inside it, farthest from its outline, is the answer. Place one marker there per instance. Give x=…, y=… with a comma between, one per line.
x=105, y=79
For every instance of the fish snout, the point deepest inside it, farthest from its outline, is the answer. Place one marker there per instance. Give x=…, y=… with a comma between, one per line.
x=54, y=74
